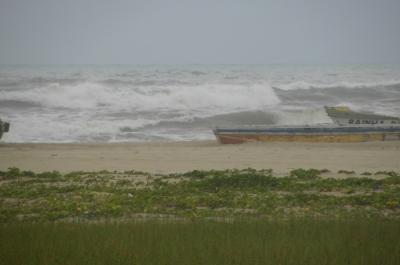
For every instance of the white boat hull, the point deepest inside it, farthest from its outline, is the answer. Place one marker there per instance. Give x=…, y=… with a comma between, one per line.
x=362, y=121
x=345, y=116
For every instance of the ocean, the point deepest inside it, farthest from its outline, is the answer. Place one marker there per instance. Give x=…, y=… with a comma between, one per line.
x=153, y=103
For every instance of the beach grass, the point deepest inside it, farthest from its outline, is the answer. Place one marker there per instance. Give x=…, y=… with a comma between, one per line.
x=201, y=241
x=199, y=217
x=51, y=196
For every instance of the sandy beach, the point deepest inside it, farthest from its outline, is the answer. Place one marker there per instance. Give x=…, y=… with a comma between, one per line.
x=180, y=157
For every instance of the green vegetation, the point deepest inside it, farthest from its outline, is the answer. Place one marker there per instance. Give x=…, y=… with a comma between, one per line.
x=199, y=217
x=200, y=241
x=346, y=172
x=27, y=196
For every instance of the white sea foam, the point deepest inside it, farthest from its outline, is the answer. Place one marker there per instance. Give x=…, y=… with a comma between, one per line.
x=80, y=131
x=66, y=96
x=91, y=95
x=301, y=117
x=117, y=104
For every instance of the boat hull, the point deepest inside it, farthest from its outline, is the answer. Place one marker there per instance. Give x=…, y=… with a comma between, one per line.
x=343, y=120
x=331, y=134
x=4, y=127
x=344, y=116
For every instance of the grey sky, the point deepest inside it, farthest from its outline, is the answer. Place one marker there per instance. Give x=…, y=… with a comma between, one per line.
x=199, y=31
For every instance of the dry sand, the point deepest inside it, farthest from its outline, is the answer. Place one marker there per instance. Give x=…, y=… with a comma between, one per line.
x=180, y=157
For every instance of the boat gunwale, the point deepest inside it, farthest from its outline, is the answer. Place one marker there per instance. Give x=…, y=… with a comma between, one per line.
x=363, y=116
x=330, y=111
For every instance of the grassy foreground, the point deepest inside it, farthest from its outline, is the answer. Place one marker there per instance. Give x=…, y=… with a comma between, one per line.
x=200, y=217
x=50, y=196
x=201, y=241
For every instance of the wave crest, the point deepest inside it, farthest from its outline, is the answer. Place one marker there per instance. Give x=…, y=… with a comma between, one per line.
x=91, y=95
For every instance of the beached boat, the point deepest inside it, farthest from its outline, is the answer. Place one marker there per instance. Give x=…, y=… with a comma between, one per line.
x=237, y=134
x=4, y=127
x=345, y=116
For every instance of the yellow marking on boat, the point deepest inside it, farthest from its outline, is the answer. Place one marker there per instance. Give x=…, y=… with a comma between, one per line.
x=340, y=108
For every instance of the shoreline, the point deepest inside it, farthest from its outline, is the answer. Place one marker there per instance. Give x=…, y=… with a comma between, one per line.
x=181, y=157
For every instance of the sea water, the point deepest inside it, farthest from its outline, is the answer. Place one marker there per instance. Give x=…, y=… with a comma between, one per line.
x=122, y=103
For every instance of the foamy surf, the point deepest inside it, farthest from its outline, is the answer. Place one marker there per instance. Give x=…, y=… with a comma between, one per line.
x=181, y=103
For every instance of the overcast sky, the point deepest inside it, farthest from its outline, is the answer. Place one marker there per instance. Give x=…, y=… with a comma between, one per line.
x=199, y=31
